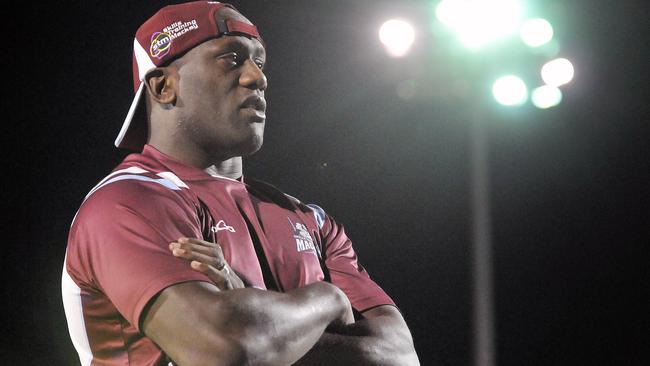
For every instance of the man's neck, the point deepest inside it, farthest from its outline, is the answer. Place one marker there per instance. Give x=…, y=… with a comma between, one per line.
x=231, y=168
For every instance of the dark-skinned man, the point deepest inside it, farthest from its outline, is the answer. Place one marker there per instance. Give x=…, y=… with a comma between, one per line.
x=174, y=258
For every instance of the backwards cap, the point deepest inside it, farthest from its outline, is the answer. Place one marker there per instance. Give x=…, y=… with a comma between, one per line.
x=168, y=34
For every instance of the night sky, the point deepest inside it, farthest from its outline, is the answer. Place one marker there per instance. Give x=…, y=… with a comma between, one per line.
x=569, y=186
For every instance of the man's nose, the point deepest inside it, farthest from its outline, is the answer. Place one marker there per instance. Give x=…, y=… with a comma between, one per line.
x=252, y=76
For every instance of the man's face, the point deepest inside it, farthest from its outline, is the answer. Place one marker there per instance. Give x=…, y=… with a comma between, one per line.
x=221, y=101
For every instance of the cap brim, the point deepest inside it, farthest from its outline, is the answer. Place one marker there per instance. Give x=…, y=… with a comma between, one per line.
x=133, y=134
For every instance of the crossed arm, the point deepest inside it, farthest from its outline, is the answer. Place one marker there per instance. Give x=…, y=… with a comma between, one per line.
x=380, y=338
x=199, y=323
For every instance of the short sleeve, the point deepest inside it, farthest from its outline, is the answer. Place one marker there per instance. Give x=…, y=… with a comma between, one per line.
x=118, y=243
x=345, y=270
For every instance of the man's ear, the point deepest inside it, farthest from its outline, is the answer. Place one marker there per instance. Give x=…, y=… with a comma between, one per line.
x=162, y=83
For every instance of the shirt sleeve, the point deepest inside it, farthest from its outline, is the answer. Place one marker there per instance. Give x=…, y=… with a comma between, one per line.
x=344, y=268
x=118, y=243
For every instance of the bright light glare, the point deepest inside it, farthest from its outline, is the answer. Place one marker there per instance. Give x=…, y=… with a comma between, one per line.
x=450, y=12
x=536, y=32
x=479, y=22
x=546, y=96
x=557, y=72
x=397, y=36
x=510, y=90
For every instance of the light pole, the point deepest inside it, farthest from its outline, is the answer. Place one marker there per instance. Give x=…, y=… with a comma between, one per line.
x=482, y=283
x=476, y=24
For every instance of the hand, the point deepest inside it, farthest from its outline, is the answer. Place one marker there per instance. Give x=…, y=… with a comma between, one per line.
x=207, y=258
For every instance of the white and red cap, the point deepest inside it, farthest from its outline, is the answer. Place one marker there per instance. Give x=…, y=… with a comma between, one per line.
x=168, y=34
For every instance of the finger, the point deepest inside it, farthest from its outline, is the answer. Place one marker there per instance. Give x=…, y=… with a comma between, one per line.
x=217, y=262
x=210, y=249
x=204, y=247
x=213, y=250
x=219, y=277
x=185, y=242
x=236, y=281
x=195, y=241
x=225, y=279
x=233, y=277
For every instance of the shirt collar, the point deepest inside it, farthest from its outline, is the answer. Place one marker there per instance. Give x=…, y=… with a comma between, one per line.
x=182, y=170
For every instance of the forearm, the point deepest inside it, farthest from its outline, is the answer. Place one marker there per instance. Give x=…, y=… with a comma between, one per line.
x=281, y=328
x=240, y=327
x=379, y=340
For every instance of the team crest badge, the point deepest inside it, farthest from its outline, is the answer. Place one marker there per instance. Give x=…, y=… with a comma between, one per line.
x=304, y=242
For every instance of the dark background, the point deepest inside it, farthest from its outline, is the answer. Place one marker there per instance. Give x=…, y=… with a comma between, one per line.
x=569, y=186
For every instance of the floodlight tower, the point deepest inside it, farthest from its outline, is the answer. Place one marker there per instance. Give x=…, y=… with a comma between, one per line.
x=477, y=24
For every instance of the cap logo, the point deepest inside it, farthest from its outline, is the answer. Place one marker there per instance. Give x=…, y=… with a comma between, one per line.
x=162, y=41
x=160, y=44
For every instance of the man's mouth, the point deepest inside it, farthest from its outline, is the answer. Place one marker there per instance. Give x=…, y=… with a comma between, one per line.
x=255, y=102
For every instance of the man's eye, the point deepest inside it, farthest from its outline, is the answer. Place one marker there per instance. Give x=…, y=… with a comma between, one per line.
x=233, y=59
x=260, y=63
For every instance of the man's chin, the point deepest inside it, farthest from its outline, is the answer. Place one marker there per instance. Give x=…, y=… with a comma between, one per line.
x=254, y=145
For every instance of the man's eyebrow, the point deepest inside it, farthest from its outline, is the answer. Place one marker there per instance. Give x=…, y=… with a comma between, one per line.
x=260, y=50
x=237, y=45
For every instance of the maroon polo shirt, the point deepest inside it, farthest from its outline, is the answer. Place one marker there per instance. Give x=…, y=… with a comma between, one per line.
x=118, y=259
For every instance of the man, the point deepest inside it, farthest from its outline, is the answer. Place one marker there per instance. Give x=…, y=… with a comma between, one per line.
x=174, y=258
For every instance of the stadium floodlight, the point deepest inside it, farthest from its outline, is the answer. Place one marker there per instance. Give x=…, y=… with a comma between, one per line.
x=557, y=72
x=397, y=36
x=510, y=90
x=536, y=32
x=546, y=96
x=476, y=24
x=451, y=12
x=479, y=22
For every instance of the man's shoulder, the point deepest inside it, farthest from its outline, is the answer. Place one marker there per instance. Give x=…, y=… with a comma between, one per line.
x=129, y=180
x=137, y=187
x=288, y=201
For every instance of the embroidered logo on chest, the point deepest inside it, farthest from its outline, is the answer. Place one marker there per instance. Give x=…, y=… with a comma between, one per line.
x=221, y=225
x=304, y=242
